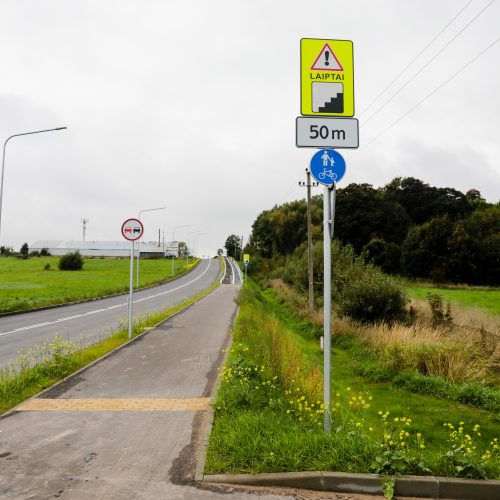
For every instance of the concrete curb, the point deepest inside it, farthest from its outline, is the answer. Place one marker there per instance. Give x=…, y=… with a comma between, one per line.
x=207, y=429
x=343, y=482
x=93, y=299
x=369, y=484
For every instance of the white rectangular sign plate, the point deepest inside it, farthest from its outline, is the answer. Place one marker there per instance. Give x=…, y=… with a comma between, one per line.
x=337, y=133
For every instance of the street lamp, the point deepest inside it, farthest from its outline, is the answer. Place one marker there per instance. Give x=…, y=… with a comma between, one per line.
x=139, y=243
x=173, y=240
x=189, y=235
x=3, y=159
x=196, y=236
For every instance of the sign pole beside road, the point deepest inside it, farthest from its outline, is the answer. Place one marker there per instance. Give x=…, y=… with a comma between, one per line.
x=131, y=291
x=327, y=167
x=326, y=105
x=246, y=261
x=132, y=230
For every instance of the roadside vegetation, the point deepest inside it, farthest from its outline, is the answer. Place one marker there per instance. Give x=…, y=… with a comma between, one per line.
x=38, y=281
x=430, y=420
x=486, y=298
x=55, y=358
x=406, y=227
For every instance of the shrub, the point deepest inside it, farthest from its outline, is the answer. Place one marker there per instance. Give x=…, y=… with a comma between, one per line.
x=44, y=252
x=373, y=297
x=71, y=261
x=439, y=316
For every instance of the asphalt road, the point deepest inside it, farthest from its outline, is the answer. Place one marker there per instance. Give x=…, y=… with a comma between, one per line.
x=95, y=320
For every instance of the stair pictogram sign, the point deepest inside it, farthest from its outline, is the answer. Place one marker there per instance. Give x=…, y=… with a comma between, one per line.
x=327, y=60
x=327, y=77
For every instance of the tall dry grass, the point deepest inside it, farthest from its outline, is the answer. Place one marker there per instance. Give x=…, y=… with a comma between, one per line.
x=277, y=349
x=467, y=349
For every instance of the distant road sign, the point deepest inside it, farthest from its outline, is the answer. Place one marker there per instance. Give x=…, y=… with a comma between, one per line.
x=316, y=132
x=327, y=77
x=132, y=229
x=327, y=166
x=246, y=258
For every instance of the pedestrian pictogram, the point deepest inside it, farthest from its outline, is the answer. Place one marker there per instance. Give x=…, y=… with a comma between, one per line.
x=327, y=77
x=327, y=60
x=327, y=166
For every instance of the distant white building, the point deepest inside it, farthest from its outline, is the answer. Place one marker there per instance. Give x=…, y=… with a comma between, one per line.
x=149, y=249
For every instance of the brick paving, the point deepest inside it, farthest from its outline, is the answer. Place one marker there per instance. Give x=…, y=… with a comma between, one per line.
x=114, y=404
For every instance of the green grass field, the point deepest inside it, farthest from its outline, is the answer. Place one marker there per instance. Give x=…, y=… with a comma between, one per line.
x=482, y=297
x=267, y=418
x=25, y=284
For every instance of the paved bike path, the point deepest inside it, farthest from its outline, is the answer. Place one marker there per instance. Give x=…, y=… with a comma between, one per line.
x=127, y=427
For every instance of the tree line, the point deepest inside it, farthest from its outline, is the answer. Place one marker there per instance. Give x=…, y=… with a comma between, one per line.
x=405, y=227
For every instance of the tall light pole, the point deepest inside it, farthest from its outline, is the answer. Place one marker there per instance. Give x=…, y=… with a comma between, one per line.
x=196, y=236
x=3, y=158
x=173, y=240
x=189, y=235
x=139, y=243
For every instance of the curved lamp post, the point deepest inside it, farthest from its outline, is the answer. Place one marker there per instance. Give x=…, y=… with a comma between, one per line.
x=196, y=236
x=3, y=158
x=189, y=235
x=139, y=243
x=173, y=240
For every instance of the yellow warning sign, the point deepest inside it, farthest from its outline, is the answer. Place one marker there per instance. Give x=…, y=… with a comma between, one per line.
x=327, y=77
x=246, y=257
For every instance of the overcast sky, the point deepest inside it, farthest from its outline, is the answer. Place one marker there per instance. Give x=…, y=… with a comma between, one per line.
x=192, y=106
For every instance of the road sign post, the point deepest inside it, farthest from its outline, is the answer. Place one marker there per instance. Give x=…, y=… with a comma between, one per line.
x=327, y=167
x=327, y=90
x=132, y=230
x=246, y=261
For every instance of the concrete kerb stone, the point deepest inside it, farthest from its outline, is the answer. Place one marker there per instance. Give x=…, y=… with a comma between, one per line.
x=450, y=487
x=341, y=482
x=417, y=486
x=102, y=358
x=368, y=484
x=209, y=422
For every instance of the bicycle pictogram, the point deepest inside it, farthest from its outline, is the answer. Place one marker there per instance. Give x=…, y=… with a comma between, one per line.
x=330, y=174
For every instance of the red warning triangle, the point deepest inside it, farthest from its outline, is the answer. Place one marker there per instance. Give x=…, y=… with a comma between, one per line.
x=327, y=60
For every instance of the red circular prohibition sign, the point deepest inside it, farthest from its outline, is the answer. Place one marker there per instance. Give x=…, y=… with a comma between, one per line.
x=132, y=229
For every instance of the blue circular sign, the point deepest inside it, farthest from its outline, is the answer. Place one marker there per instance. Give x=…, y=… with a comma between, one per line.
x=327, y=166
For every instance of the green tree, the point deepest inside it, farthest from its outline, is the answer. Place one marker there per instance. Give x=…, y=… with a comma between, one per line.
x=386, y=255
x=24, y=250
x=233, y=246
x=424, y=251
x=363, y=213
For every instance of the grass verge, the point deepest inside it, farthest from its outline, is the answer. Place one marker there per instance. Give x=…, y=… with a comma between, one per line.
x=45, y=364
x=269, y=413
x=37, y=282
x=485, y=298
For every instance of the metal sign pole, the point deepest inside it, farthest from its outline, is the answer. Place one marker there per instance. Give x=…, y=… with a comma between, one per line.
x=131, y=295
x=327, y=306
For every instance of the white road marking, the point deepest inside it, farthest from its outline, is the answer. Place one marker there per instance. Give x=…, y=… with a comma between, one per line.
x=96, y=311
